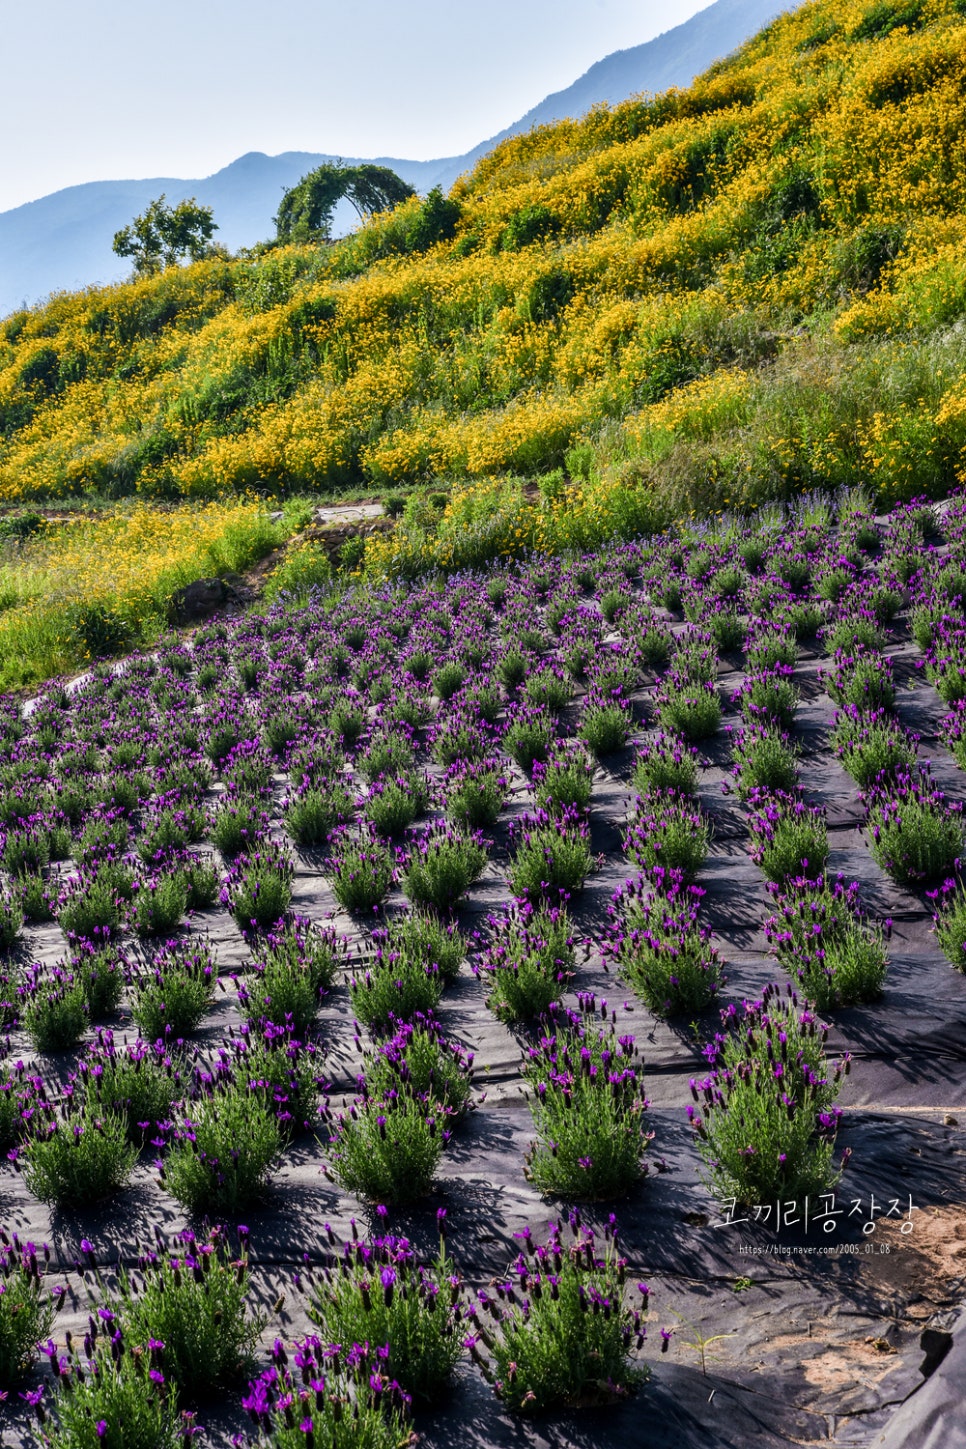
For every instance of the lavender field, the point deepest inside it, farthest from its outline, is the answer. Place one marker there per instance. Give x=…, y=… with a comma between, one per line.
x=511, y=1008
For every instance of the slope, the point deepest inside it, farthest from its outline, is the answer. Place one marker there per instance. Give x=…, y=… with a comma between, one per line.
x=64, y=240
x=724, y=295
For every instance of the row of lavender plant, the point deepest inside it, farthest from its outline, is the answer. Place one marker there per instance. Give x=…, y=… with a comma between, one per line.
x=556, y=1331
x=342, y=725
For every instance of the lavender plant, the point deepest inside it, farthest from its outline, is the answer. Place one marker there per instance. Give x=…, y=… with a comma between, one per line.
x=378, y=1292
x=820, y=938
x=564, y=782
x=76, y=1159
x=917, y=834
x=872, y=745
x=551, y=854
x=294, y=970
x=425, y=939
x=53, y=1009
x=475, y=792
x=668, y=832
x=419, y=1060
x=194, y=1297
x=361, y=871
x=556, y=1331
x=660, y=946
x=687, y=708
x=441, y=865
x=588, y=1109
x=222, y=1152
x=137, y=1081
x=528, y=960
x=949, y=921
x=764, y=760
x=339, y=1398
x=767, y=1121
x=171, y=992
x=26, y=1310
x=666, y=763
x=258, y=888
x=388, y=1150
x=790, y=837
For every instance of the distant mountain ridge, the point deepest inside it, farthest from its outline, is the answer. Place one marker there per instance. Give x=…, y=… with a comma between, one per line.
x=63, y=241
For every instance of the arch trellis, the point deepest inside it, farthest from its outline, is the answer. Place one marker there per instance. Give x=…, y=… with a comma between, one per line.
x=306, y=211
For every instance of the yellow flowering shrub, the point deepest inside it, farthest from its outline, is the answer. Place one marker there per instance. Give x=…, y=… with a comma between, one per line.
x=714, y=290
x=124, y=568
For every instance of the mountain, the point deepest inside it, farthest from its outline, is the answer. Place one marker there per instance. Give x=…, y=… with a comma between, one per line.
x=719, y=296
x=63, y=241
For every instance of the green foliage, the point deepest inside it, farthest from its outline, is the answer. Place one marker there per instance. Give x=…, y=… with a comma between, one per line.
x=162, y=234
x=530, y=224
x=765, y=1135
x=362, y=873
x=883, y=18
x=950, y=924
x=388, y=1151
x=296, y=969
x=55, y=1009
x=566, y=1349
x=171, y=994
x=397, y=985
x=79, y=1159
x=222, y=1154
x=380, y=1294
x=113, y=1402
x=589, y=1123
x=26, y=1312
x=528, y=962
x=195, y=1301
x=306, y=210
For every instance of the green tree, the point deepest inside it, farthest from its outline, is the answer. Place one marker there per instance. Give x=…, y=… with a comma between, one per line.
x=162, y=235
x=305, y=214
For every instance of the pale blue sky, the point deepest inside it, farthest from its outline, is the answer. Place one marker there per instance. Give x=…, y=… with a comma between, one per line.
x=101, y=89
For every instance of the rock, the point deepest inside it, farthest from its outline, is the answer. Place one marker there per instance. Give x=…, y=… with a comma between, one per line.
x=197, y=600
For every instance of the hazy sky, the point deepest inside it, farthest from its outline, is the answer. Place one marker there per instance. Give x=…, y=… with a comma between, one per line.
x=101, y=89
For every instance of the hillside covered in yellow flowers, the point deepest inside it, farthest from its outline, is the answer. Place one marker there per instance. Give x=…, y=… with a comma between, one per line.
x=716, y=297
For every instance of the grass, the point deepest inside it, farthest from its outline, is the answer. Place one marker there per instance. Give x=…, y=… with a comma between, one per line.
x=95, y=587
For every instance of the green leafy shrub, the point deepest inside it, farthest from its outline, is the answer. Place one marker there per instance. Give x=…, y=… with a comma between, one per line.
x=54, y=1011
x=528, y=961
x=194, y=1300
x=361, y=871
x=441, y=866
x=660, y=947
x=222, y=1153
x=78, y=1159
x=917, y=835
x=668, y=832
x=258, y=887
x=790, y=837
x=295, y=968
x=26, y=1311
x=378, y=1292
x=388, y=1151
x=820, y=939
x=172, y=992
x=551, y=855
x=588, y=1110
x=765, y=1135
x=567, y=1348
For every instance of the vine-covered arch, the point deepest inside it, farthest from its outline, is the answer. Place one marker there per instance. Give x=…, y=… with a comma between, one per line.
x=306, y=210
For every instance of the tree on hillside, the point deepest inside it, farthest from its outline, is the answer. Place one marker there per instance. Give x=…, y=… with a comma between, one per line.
x=162, y=235
x=305, y=214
